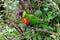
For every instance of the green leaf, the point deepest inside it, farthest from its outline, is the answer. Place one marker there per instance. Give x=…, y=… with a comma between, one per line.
x=2, y=37
x=28, y=35
x=38, y=13
x=39, y=37
x=47, y=27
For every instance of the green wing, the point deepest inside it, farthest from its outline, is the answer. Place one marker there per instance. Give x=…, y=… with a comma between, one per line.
x=33, y=19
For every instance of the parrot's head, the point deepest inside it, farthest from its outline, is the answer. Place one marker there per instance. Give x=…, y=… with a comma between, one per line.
x=22, y=13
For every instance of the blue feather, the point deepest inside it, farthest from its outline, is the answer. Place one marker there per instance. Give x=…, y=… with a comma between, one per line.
x=30, y=25
x=20, y=13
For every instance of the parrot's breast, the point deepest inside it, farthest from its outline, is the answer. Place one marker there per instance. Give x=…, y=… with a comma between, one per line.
x=24, y=20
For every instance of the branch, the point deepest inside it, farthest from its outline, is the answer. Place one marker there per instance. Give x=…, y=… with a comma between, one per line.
x=16, y=25
x=38, y=4
x=11, y=21
x=42, y=30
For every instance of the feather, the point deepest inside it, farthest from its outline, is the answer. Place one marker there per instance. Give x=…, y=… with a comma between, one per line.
x=24, y=20
x=24, y=13
x=20, y=13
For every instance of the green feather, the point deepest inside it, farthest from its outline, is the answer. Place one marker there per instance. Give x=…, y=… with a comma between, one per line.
x=24, y=13
x=33, y=19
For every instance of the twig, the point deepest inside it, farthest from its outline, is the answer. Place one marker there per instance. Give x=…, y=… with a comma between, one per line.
x=21, y=3
x=38, y=4
x=30, y=5
x=15, y=25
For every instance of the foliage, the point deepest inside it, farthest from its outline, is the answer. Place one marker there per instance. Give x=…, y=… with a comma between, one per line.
x=48, y=11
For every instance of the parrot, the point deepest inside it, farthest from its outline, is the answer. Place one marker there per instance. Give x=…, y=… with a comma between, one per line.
x=29, y=19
